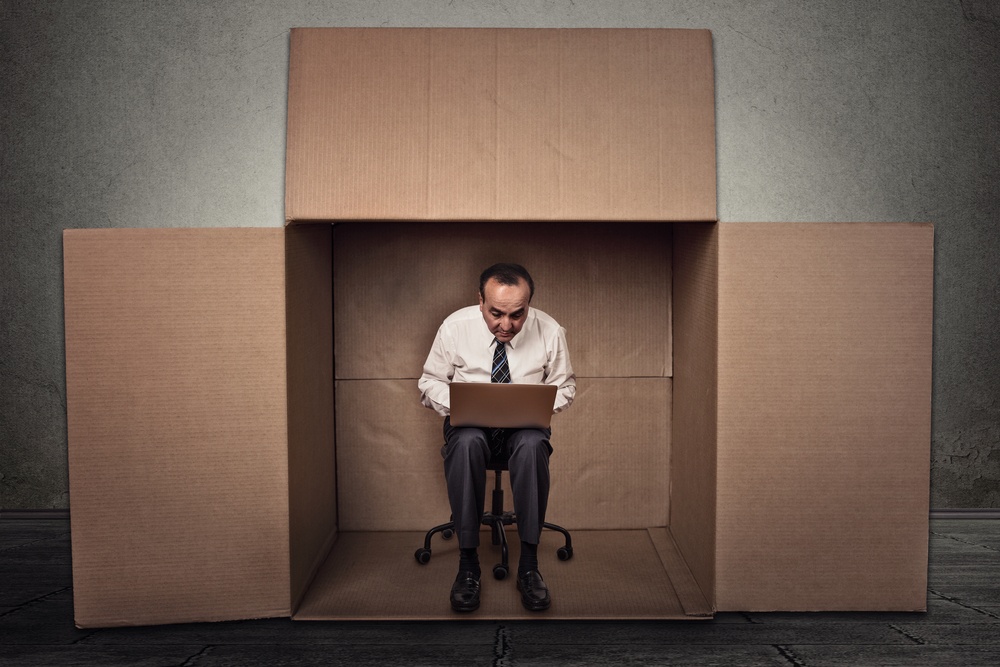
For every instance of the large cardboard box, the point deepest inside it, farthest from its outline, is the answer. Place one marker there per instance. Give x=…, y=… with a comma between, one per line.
x=752, y=425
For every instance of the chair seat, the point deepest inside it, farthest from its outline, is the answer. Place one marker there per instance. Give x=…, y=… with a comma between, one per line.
x=498, y=463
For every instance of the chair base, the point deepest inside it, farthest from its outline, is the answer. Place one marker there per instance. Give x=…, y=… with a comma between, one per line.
x=496, y=523
x=496, y=519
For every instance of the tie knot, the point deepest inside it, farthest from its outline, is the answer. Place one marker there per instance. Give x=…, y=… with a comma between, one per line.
x=499, y=344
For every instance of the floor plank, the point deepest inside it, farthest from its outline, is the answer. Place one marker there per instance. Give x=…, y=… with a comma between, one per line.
x=896, y=656
x=71, y=656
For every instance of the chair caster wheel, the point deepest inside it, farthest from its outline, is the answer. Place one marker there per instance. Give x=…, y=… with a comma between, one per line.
x=423, y=556
x=447, y=533
x=564, y=553
x=499, y=572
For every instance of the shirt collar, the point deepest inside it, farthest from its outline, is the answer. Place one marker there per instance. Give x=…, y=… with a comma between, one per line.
x=512, y=343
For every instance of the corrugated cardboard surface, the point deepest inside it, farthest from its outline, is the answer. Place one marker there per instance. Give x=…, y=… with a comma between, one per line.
x=689, y=592
x=695, y=406
x=609, y=467
x=614, y=574
x=824, y=416
x=312, y=490
x=508, y=124
x=175, y=373
x=607, y=284
x=389, y=466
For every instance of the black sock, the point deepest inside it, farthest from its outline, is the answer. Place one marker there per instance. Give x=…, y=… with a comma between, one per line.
x=468, y=559
x=529, y=558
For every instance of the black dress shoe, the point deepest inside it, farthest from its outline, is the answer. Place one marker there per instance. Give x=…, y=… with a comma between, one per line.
x=534, y=592
x=465, y=591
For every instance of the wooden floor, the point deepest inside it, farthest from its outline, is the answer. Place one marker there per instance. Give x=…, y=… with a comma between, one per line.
x=962, y=626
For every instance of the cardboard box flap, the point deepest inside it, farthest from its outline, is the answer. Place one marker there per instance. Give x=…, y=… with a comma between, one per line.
x=507, y=124
x=824, y=390
x=176, y=404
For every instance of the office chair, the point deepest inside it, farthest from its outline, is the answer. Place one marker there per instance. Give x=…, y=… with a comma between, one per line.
x=496, y=518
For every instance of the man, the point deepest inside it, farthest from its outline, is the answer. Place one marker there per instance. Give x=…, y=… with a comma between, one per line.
x=503, y=340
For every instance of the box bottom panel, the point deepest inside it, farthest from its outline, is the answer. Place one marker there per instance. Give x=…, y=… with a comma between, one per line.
x=614, y=574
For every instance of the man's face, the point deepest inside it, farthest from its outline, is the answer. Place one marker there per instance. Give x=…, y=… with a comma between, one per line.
x=504, y=308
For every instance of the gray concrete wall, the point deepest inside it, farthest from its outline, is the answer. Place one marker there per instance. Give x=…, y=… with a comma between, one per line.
x=122, y=114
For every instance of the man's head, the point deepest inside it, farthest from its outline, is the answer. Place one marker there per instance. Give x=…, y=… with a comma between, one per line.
x=505, y=290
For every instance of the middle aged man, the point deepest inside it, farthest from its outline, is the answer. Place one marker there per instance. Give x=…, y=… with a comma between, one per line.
x=501, y=340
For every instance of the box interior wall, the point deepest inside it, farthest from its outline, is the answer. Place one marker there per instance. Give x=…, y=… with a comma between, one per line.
x=610, y=284
x=607, y=284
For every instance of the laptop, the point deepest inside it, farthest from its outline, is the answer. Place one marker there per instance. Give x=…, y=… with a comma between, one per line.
x=502, y=405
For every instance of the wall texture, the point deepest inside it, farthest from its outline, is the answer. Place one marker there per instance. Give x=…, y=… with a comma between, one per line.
x=124, y=114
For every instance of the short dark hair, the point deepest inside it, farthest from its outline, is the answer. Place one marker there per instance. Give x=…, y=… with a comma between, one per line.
x=506, y=274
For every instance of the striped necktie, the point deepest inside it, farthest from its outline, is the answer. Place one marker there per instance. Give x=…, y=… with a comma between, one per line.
x=500, y=373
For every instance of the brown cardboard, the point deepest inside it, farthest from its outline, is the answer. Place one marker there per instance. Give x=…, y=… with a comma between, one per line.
x=689, y=591
x=610, y=467
x=389, y=463
x=695, y=402
x=487, y=124
x=622, y=576
x=823, y=416
x=607, y=284
x=312, y=473
x=175, y=377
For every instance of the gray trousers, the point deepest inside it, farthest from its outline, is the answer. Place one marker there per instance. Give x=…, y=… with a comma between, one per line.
x=466, y=453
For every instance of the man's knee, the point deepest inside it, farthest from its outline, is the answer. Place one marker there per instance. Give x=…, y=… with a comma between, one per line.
x=531, y=443
x=466, y=443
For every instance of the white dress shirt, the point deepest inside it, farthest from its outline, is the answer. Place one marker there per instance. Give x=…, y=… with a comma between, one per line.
x=463, y=352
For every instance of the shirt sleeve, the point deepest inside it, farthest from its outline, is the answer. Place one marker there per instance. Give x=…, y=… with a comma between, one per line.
x=559, y=370
x=438, y=372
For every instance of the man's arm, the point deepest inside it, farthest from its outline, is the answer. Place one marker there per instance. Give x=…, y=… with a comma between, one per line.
x=559, y=371
x=438, y=372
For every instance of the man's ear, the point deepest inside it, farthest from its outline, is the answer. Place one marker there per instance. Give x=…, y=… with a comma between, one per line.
x=480, y=296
